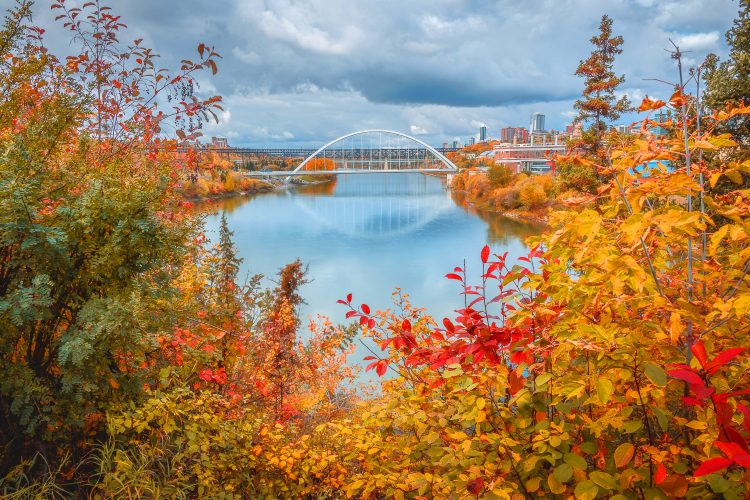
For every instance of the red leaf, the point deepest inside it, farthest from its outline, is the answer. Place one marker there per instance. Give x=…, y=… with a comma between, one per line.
x=746, y=419
x=448, y=325
x=349, y=297
x=405, y=325
x=452, y=276
x=475, y=486
x=485, y=253
x=381, y=367
x=722, y=359
x=692, y=401
x=515, y=382
x=365, y=309
x=712, y=465
x=535, y=252
x=661, y=473
x=699, y=351
x=730, y=449
x=518, y=357
x=687, y=376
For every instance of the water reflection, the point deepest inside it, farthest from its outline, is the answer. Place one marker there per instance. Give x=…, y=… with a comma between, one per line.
x=368, y=235
x=381, y=210
x=500, y=230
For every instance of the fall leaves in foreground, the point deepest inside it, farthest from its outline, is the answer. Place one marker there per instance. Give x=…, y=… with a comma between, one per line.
x=590, y=368
x=610, y=362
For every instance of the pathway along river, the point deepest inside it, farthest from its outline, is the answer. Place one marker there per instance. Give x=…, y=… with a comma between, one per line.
x=368, y=235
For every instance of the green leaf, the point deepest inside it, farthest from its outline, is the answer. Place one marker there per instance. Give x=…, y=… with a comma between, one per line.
x=543, y=379
x=576, y=461
x=604, y=389
x=586, y=490
x=661, y=417
x=563, y=472
x=655, y=374
x=632, y=426
x=717, y=483
x=603, y=480
x=589, y=447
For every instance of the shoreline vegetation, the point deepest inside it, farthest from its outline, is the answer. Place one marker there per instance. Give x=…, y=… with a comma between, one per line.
x=217, y=185
x=516, y=196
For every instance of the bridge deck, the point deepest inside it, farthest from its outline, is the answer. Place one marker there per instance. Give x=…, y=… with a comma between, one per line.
x=287, y=173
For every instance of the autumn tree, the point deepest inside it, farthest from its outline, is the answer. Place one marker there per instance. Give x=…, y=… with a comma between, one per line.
x=599, y=103
x=729, y=81
x=91, y=233
x=280, y=332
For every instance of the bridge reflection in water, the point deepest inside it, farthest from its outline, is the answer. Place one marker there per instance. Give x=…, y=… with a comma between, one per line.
x=368, y=235
x=378, y=210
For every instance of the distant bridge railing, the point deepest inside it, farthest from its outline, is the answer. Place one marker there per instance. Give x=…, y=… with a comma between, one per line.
x=272, y=152
x=374, y=151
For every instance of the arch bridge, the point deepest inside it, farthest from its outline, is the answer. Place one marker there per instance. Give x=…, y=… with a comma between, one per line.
x=368, y=152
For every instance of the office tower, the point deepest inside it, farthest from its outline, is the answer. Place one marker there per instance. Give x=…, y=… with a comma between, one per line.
x=537, y=123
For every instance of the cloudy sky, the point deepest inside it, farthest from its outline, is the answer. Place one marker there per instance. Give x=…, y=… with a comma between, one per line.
x=302, y=72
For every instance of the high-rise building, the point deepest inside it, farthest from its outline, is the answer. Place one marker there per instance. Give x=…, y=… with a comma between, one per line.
x=455, y=143
x=219, y=142
x=482, y=133
x=472, y=140
x=514, y=135
x=537, y=123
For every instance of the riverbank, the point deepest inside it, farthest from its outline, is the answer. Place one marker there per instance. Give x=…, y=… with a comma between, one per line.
x=515, y=196
x=540, y=216
x=256, y=187
x=208, y=188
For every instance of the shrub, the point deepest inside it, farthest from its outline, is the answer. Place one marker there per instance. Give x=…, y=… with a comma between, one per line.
x=202, y=187
x=531, y=195
x=231, y=182
x=506, y=197
x=478, y=186
x=547, y=183
x=459, y=182
x=574, y=175
x=500, y=175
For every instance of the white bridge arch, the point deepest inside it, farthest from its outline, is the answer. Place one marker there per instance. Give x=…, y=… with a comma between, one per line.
x=387, y=150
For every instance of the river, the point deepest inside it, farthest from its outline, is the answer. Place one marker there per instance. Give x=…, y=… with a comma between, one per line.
x=369, y=234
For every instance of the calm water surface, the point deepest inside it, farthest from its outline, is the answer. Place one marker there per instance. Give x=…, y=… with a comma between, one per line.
x=368, y=235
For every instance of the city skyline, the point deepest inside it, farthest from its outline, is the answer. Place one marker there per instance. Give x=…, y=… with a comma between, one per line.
x=303, y=73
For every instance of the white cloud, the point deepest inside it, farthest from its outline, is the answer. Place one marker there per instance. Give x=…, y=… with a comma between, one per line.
x=304, y=71
x=248, y=56
x=698, y=41
x=309, y=37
